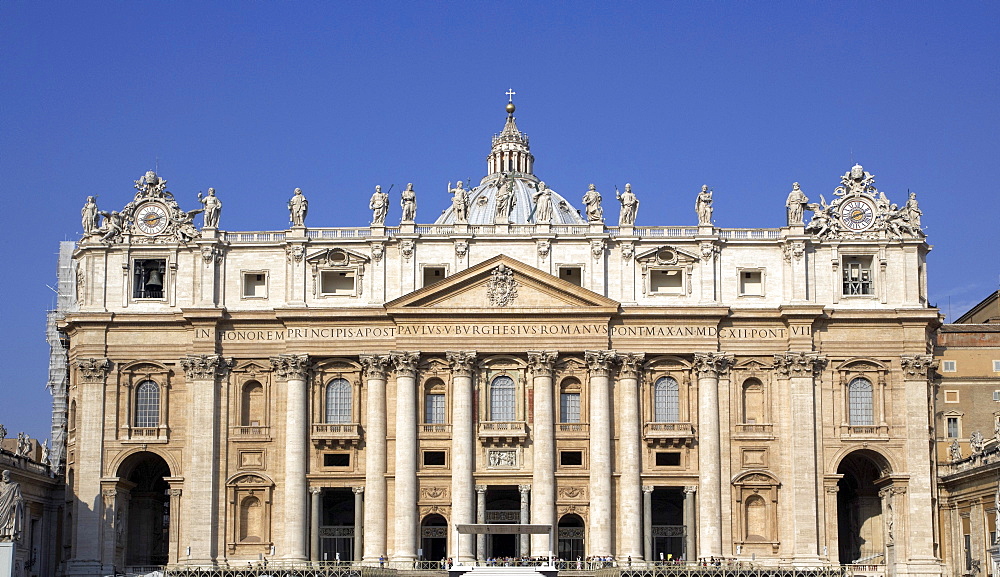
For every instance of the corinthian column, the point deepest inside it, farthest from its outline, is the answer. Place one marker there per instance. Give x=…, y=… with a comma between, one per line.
x=405, y=365
x=919, y=526
x=463, y=449
x=543, y=438
x=92, y=376
x=525, y=517
x=630, y=487
x=294, y=369
x=709, y=366
x=600, y=363
x=375, y=453
x=801, y=369
x=201, y=469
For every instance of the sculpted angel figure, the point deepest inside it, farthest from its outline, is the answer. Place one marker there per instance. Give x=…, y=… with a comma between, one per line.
x=459, y=202
x=298, y=206
x=543, y=204
x=213, y=208
x=408, y=202
x=89, y=214
x=630, y=205
x=379, y=204
x=11, y=509
x=112, y=226
x=796, y=205
x=703, y=206
x=592, y=200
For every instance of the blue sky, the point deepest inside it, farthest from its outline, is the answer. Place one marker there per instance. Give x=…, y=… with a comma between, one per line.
x=258, y=98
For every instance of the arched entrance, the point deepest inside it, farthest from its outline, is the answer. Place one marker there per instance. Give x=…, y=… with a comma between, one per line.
x=859, y=508
x=146, y=506
x=434, y=537
x=571, y=534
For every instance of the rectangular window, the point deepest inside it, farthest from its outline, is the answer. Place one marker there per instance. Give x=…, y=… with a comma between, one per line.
x=949, y=366
x=666, y=281
x=996, y=366
x=573, y=274
x=569, y=408
x=433, y=274
x=434, y=458
x=751, y=283
x=254, y=285
x=434, y=409
x=336, y=459
x=858, y=279
x=952, y=427
x=571, y=458
x=996, y=396
x=668, y=459
x=951, y=396
x=337, y=282
x=148, y=278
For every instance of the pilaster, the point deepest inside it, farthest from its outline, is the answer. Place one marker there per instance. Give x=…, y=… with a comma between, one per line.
x=918, y=370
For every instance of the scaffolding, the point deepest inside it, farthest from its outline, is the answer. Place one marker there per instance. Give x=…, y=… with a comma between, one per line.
x=58, y=382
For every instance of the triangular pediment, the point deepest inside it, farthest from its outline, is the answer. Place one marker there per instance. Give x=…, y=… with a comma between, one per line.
x=502, y=284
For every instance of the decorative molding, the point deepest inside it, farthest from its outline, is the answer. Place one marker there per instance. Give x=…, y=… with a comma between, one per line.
x=647, y=488
x=404, y=363
x=501, y=289
x=524, y=489
x=600, y=362
x=315, y=490
x=434, y=493
x=631, y=365
x=918, y=365
x=799, y=364
x=374, y=366
x=461, y=249
x=406, y=249
x=211, y=253
x=461, y=362
x=690, y=489
x=295, y=252
x=712, y=364
x=378, y=249
x=93, y=370
x=543, y=248
x=358, y=490
x=541, y=362
x=205, y=367
x=597, y=248
x=481, y=488
x=628, y=249
x=291, y=367
x=574, y=493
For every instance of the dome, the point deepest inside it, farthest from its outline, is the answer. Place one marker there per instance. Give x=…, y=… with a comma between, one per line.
x=483, y=203
x=510, y=160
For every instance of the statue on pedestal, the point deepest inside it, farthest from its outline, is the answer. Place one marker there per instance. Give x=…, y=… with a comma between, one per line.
x=298, y=206
x=90, y=215
x=459, y=202
x=213, y=207
x=543, y=204
x=703, y=206
x=630, y=205
x=409, y=203
x=505, y=202
x=379, y=204
x=11, y=509
x=796, y=205
x=592, y=200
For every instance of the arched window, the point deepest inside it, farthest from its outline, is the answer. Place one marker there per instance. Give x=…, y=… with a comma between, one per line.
x=569, y=401
x=338, y=401
x=756, y=519
x=434, y=410
x=72, y=415
x=252, y=405
x=251, y=519
x=147, y=405
x=666, y=401
x=502, y=406
x=753, y=401
x=859, y=399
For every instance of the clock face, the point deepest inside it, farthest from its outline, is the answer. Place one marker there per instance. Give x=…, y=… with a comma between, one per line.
x=857, y=214
x=151, y=218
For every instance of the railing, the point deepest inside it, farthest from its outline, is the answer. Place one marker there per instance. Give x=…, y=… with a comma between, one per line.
x=336, y=433
x=989, y=455
x=239, y=237
x=435, y=230
x=671, y=429
x=147, y=434
x=865, y=431
x=482, y=229
x=570, y=229
x=753, y=428
x=721, y=568
x=750, y=233
x=665, y=231
x=582, y=428
x=498, y=429
x=434, y=428
x=359, y=232
x=250, y=431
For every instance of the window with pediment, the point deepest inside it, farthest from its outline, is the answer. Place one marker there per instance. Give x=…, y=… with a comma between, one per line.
x=569, y=401
x=863, y=383
x=144, y=403
x=250, y=517
x=435, y=411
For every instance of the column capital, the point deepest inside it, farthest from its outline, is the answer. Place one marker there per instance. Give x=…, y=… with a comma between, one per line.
x=918, y=366
x=175, y=492
x=480, y=488
x=93, y=370
x=647, y=488
x=712, y=364
x=315, y=490
x=690, y=489
x=600, y=362
x=799, y=363
x=524, y=488
x=358, y=490
x=291, y=367
x=461, y=362
x=374, y=365
x=404, y=363
x=631, y=365
x=541, y=362
x=205, y=367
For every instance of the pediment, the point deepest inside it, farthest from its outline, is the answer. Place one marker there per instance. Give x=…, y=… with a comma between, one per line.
x=666, y=255
x=502, y=284
x=336, y=257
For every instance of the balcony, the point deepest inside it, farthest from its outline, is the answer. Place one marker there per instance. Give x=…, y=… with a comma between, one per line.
x=754, y=431
x=864, y=432
x=503, y=432
x=144, y=435
x=572, y=430
x=336, y=434
x=250, y=433
x=669, y=434
x=434, y=429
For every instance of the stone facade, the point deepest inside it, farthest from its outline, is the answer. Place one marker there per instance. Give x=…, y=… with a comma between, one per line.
x=651, y=391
